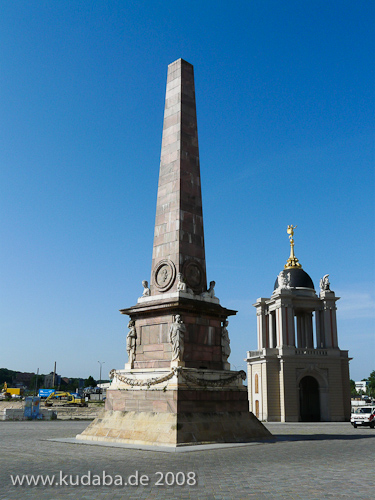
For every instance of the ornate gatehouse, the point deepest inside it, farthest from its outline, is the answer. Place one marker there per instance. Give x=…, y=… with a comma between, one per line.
x=298, y=373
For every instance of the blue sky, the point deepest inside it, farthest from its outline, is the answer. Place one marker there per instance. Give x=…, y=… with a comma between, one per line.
x=285, y=103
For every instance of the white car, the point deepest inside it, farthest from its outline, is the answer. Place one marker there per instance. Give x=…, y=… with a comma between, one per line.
x=363, y=415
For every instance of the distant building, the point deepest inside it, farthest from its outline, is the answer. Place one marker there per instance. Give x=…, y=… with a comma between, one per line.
x=104, y=385
x=361, y=386
x=48, y=380
x=22, y=379
x=79, y=383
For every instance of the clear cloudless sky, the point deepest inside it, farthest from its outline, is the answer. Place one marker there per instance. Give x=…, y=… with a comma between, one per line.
x=285, y=103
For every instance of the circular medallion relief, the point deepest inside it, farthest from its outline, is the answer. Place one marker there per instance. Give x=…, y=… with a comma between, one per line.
x=194, y=274
x=164, y=275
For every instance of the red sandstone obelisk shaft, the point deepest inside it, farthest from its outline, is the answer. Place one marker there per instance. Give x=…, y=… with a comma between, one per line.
x=179, y=239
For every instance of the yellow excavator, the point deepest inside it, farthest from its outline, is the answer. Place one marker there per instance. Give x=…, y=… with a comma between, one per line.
x=71, y=399
x=8, y=393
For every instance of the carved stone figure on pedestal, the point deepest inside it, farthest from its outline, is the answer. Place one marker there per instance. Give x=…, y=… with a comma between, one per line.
x=131, y=341
x=176, y=338
x=325, y=284
x=210, y=292
x=225, y=347
x=181, y=285
x=146, y=290
x=283, y=280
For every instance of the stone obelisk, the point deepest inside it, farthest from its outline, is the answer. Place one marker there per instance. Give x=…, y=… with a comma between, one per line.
x=179, y=240
x=177, y=387
x=178, y=272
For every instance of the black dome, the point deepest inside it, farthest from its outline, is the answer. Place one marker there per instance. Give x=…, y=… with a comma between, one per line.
x=298, y=279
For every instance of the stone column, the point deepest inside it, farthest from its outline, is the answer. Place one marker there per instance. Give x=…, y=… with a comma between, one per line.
x=334, y=326
x=327, y=326
x=282, y=390
x=319, y=337
x=272, y=329
x=261, y=323
x=309, y=338
x=329, y=317
x=285, y=324
x=300, y=331
x=291, y=329
x=281, y=327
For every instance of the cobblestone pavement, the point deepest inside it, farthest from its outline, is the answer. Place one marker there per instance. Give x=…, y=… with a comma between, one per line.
x=307, y=462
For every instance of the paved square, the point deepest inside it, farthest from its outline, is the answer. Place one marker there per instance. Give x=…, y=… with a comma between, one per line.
x=308, y=462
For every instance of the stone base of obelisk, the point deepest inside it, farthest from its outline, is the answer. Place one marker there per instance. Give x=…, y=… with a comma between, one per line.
x=183, y=406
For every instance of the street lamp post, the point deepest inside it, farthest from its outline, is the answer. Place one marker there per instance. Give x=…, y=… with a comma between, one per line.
x=36, y=383
x=100, y=375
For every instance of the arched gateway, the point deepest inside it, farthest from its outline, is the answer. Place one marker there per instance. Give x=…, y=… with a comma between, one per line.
x=309, y=400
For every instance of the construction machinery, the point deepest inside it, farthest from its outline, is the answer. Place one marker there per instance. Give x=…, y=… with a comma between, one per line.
x=8, y=393
x=69, y=399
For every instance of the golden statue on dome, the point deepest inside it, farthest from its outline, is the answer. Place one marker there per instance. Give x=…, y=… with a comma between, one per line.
x=292, y=262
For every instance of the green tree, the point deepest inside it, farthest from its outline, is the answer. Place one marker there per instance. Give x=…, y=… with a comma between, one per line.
x=353, y=391
x=90, y=382
x=371, y=385
x=73, y=385
x=36, y=381
x=6, y=376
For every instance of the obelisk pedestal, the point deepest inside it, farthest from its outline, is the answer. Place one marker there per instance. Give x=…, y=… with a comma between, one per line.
x=177, y=387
